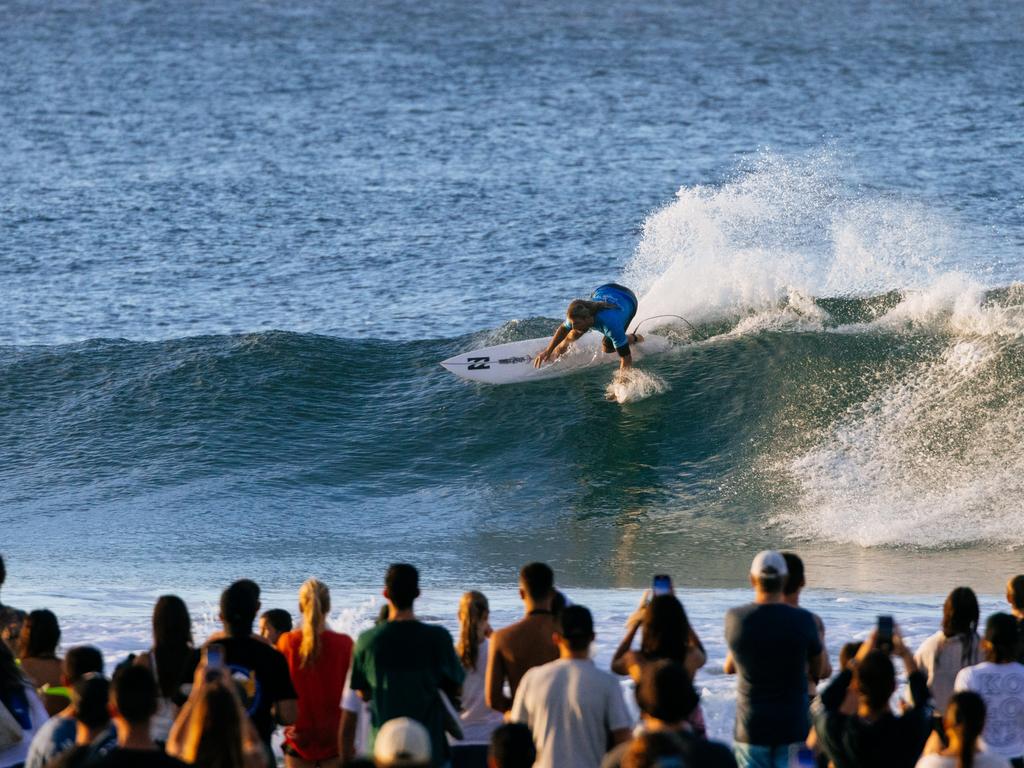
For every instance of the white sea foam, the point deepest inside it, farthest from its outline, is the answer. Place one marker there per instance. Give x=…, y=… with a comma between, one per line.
x=634, y=384
x=782, y=228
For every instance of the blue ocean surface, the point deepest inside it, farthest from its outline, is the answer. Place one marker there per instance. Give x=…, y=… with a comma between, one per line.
x=237, y=238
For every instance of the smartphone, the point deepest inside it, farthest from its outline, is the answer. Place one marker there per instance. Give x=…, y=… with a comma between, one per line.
x=661, y=585
x=884, y=635
x=214, y=656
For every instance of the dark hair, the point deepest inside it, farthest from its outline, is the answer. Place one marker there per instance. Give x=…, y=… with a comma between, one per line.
x=795, y=580
x=770, y=581
x=960, y=616
x=558, y=602
x=538, y=580
x=1001, y=634
x=279, y=619
x=403, y=584
x=876, y=679
x=666, y=629
x=135, y=693
x=91, y=698
x=172, y=643
x=1015, y=592
x=649, y=750
x=40, y=635
x=665, y=692
x=847, y=654
x=3, y=571
x=512, y=746
x=80, y=661
x=238, y=606
x=967, y=710
x=11, y=676
x=576, y=625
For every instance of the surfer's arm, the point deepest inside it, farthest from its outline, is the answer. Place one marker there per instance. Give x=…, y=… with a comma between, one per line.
x=560, y=342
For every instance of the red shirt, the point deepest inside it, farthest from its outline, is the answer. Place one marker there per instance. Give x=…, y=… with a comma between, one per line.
x=314, y=736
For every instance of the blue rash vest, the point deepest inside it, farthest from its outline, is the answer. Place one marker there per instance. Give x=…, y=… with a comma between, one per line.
x=613, y=323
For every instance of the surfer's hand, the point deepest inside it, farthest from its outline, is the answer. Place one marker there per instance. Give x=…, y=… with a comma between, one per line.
x=541, y=358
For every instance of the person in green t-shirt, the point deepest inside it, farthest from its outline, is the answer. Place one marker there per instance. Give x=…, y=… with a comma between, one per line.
x=401, y=666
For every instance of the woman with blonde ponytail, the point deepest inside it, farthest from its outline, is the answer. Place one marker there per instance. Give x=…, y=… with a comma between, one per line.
x=478, y=720
x=318, y=660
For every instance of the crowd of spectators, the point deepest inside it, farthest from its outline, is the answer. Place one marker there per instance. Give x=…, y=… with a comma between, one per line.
x=404, y=693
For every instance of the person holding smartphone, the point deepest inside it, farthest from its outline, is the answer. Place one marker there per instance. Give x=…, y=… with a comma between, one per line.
x=874, y=735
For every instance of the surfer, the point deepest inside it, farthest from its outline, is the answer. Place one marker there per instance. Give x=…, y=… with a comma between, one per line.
x=609, y=310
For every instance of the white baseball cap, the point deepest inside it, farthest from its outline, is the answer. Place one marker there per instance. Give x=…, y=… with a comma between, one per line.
x=402, y=741
x=769, y=563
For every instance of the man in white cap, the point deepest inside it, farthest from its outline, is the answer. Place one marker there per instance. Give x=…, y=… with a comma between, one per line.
x=402, y=742
x=773, y=647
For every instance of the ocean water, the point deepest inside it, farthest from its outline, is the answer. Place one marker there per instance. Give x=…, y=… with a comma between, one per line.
x=236, y=239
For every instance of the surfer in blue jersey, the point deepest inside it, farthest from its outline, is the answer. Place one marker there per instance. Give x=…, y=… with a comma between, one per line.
x=609, y=310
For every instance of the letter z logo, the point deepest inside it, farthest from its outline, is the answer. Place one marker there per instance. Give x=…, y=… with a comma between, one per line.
x=478, y=363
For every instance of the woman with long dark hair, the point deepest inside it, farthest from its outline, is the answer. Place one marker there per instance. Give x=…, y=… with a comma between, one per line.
x=22, y=713
x=963, y=723
x=667, y=634
x=952, y=648
x=172, y=660
x=37, y=652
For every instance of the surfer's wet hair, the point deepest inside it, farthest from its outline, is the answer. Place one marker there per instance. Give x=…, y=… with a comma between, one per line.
x=581, y=309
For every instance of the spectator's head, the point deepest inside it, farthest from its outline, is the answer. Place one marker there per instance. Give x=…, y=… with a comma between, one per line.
x=1000, y=641
x=511, y=747
x=876, y=680
x=768, y=572
x=402, y=742
x=558, y=602
x=40, y=635
x=214, y=734
x=654, y=749
x=90, y=698
x=239, y=605
x=274, y=623
x=81, y=661
x=172, y=625
x=665, y=693
x=795, y=579
x=666, y=629
x=474, y=627
x=134, y=695
x=574, y=631
x=965, y=717
x=847, y=654
x=1015, y=594
x=960, y=613
x=536, y=583
x=315, y=605
x=402, y=586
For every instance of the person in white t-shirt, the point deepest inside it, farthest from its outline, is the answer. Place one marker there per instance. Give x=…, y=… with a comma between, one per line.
x=963, y=723
x=573, y=709
x=477, y=719
x=1000, y=682
x=952, y=648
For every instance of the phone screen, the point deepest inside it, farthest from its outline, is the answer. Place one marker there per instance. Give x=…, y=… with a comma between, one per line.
x=661, y=585
x=214, y=656
x=885, y=626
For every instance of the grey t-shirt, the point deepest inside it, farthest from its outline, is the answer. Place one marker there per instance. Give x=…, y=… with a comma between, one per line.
x=771, y=644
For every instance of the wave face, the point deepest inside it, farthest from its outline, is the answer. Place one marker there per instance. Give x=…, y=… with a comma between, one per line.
x=893, y=419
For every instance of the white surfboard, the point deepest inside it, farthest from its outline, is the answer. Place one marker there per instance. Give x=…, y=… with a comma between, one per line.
x=513, y=363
